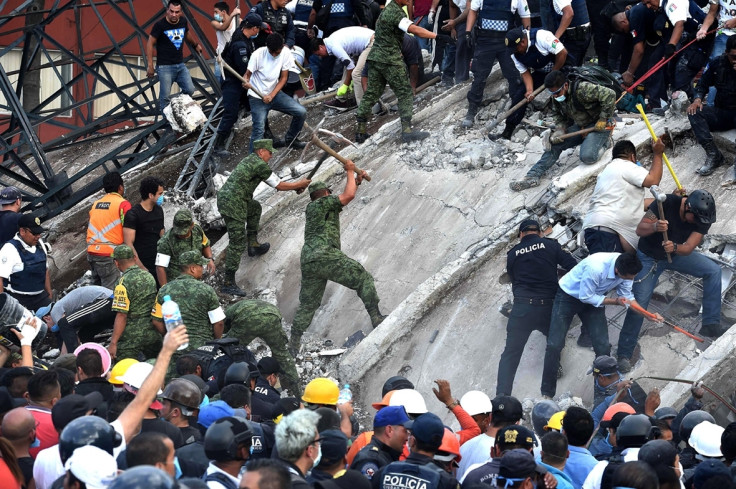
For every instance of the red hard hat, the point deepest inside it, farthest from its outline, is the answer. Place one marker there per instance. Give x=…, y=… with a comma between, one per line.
x=450, y=448
x=619, y=407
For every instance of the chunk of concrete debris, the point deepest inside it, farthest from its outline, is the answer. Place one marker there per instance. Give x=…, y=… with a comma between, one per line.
x=184, y=114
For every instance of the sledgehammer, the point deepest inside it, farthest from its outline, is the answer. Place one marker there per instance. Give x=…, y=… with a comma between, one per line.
x=513, y=109
x=660, y=197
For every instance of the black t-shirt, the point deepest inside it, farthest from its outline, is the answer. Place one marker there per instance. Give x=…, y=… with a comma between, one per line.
x=148, y=226
x=169, y=41
x=641, y=24
x=8, y=225
x=678, y=230
x=485, y=474
x=26, y=466
x=162, y=426
x=190, y=434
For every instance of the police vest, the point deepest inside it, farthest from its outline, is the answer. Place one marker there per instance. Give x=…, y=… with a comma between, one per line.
x=496, y=15
x=277, y=20
x=32, y=278
x=580, y=16
x=405, y=475
x=533, y=58
x=341, y=9
x=258, y=443
x=105, y=229
x=303, y=9
x=614, y=462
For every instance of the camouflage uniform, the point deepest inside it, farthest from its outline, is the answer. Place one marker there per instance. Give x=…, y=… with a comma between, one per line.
x=249, y=319
x=322, y=260
x=135, y=293
x=238, y=207
x=197, y=302
x=173, y=246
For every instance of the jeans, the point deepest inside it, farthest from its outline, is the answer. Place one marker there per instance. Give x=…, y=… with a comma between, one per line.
x=564, y=309
x=598, y=241
x=693, y=264
x=167, y=75
x=104, y=271
x=711, y=119
x=281, y=103
x=423, y=23
x=719, y=47
x=488, y=49
x=591, y=149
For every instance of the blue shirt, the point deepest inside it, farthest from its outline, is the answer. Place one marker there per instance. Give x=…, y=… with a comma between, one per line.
x=563, y=480
x=581, y=462
x=594, y=277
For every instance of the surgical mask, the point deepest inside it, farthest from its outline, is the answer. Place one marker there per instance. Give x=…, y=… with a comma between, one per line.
x=177, y=468
x=638, y=163
x=319, y=456
x=36, y=443
x=560, y=99
x=218, y=17
x=608, y=435
x=253, y=37
x=160, y=200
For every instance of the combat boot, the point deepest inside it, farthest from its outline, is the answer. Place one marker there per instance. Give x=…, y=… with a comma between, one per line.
x=256, y=249
x=295, y=344
x=376, y=316
x=230, y=287
x=361, y=131
x=408, y=134
x=508, y=130
x=713, y=159
x=470, y=116
x=219, y=147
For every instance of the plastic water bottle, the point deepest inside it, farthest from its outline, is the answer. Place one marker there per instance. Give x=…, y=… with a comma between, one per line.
x=345, y=395
x=172, y=316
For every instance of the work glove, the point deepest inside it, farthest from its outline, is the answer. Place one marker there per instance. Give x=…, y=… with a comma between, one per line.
x=669, y=50
x=600, y=126
x=469, y=40
x=28, y=330
x=343, y=90
x=430, y=18
x=556, y=137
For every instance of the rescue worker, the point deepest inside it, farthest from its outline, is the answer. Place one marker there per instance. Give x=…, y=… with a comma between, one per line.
x=198, y=302
x=324, y=393
x=606, y=380
x=10, y=202
x=519, y=470
x=389, y=438
x=532, y=266
x=588, y=105
x=494, y=19
x=269, y=371
x=185, y=235
x=105, y=229
x=571, y=25
x=322, y=259
x=227, y=444
x=23, y=269
x=133, y=335
x=509, y=438
x=721, y=116
x=181, y=400
x=275, y=14
x=242, y=213
x=385, y=65
x=298, y=445
x=343, y=13
x=250, y=319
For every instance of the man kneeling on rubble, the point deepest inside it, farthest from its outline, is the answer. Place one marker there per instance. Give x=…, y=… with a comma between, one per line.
x=588, y=105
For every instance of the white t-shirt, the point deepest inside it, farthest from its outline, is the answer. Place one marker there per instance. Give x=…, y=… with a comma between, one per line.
x=474, y=451
x=724, y=13
x=460, y=4
x=517, y=6
x=593, y=481
x=546, y=43
x=347, y=43
x=618, y=199
x=47, y=467
x=266, y=70
x=223, y=37
x=10, y=262
x=677, y=10
x=561, y=4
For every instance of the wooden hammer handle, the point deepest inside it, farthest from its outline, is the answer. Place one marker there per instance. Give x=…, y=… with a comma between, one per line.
x=326, y=148
x=664, y=233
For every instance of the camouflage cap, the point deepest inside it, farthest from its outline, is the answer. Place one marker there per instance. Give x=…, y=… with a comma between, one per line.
x=318, y=185
x=123, y=252
x=263, y=144
x=193, y=257
x=182, y=220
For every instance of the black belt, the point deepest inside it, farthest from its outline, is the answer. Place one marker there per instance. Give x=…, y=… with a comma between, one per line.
x=491, y=34
x=533, y=302
x=603, y=229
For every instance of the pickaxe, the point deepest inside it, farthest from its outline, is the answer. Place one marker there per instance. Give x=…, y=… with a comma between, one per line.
x=513, y=109
x=660, y=197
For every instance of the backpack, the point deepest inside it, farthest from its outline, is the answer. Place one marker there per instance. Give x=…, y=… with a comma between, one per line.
x=217, y=355
x=598, y=75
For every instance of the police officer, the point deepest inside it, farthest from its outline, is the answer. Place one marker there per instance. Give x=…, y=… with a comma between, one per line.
x=269, y=371
x=227, y=444
x=419, y=469
x=532, y=267
x=10, y=202
x=343, y=13
x=278, y=18
x=236, y=54
x=389, y=437
x=721, y=116
x=494, y=18
x=571, y=26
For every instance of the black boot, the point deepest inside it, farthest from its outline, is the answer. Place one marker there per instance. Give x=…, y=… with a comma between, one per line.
x=219, y=147
x=255, y=248
x=361, y=131
x=376, y=316
x=713, y=159
x=295, y=344
x=230, y=287
x=470, y=116
x=508, y=130
x=408, y=134
x=295, y=143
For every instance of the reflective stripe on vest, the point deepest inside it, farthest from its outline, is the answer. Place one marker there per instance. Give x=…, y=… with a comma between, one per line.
x=496, y=15
x=341, y=9
x=533, y=58
x=105, y=229
x=32, y=279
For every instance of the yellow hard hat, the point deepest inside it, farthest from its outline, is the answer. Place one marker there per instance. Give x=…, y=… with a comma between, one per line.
x=555, y=422
x=321, y=391
x=117, y=372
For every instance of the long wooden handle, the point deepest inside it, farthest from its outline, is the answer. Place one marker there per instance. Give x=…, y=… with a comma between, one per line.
x=664, y=233
x=577, y=133
x=513, y=109
x=237, y=75
x=326, y=148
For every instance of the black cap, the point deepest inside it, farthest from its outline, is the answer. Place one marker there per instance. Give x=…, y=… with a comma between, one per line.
x=334, y=446
x=529, y=225
x=604, y=365
x=519, y=464
x=658, y=452
x=515, y=434
x=395, y=383
x=73, y=406
x=514, y=37
x=32, y=223
x=9, y=195
x=428, y=429
x=269, y=365
x=506, y=408
x=707, y=469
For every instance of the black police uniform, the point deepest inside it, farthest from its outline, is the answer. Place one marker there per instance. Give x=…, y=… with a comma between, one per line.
x=265, y=391
x=237, y=54
x=8, y=225
x=642, y=30
x=417, y=471
x=532, y=265
x=722, y=115
x=372, y=457
x=576, y=37
x=485, y=474
x=279, y=20
x=28, y=284
x=695, y=56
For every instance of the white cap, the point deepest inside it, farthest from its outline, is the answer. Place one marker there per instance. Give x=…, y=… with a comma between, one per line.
x=476, y=402
x=706, y=439
x=93, y=466
x=411, y=399
x=137, y=374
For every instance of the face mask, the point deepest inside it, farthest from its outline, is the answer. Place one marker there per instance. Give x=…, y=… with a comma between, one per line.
x=608, y=435
x=253, y=37
x=218, y=17
x=319, y=456
x=638, y=163
x=277, y=385
x=177, y=468
x=560, y=99
x=160, y=200
x=36, y=443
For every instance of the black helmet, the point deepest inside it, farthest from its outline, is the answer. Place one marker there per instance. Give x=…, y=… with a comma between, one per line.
x=87, y=430
x=691, y=420
x=237, y=373
x=633, y=431
x=224, y=436
x=143, y=477
x=395, y=383
x=666, y=412
x=701, y=204
x=541, y=412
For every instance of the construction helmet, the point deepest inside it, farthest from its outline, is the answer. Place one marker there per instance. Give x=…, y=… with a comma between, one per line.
x=541, y=413
x=476, y=402
x=224, y=437
x=666, y=412
x=321, y=391
x=633, y=431
x=117, y=372
x=136, y=374
x=706, y=439
x=450, y=448
x=87, y=430
x=184, y=392
x=691, y=420
x=555, y=422
x=702, y=204
x=619, y=407
x=386, y=401
x=395, y=383
x=411, y=399
x=143, y=477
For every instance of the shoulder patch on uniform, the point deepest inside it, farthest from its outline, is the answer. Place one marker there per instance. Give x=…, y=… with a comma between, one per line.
x=375, y=449
x=369, y=469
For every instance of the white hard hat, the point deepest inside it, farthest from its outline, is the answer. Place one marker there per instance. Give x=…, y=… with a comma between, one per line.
x=476, y=402
x=93, y=466
x=411, y=399
x=706, y=439
x=136, y=375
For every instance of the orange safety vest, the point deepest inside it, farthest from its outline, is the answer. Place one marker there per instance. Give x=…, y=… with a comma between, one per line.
x=105, y=229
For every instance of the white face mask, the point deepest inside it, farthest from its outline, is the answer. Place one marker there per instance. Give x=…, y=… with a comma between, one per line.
x=318, y=457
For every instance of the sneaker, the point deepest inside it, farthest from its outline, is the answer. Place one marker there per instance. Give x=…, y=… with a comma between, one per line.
x=341, y=105
x=624, y=365
x=527, y=182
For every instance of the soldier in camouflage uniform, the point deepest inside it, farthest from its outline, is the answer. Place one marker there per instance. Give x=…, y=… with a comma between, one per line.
x=322, y=259
x=250, y=319
x=239, y=209
x=184, y=236
x=385, y=65
x=133, y=334
x=588, y=105
x=198, y=302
